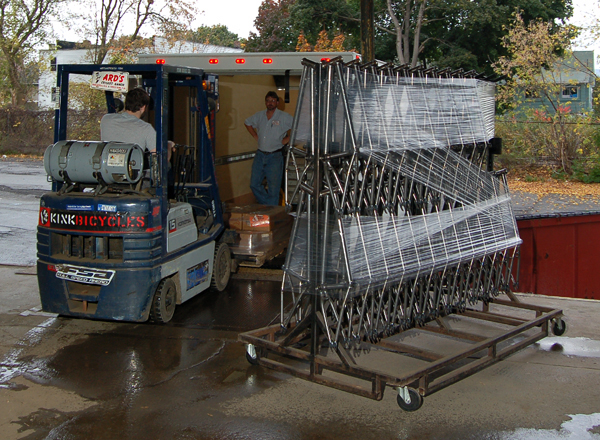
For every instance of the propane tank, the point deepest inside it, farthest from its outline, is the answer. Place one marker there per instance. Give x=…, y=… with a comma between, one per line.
x=94, y=162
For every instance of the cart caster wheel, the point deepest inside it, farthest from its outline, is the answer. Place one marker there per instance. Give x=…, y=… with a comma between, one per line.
x=559, y=327
x=409, y=399
x=251, y=355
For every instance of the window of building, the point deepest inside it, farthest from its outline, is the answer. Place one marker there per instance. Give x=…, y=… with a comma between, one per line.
x=570, y=92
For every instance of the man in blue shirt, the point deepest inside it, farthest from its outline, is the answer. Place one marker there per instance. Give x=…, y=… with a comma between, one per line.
x=271, y=129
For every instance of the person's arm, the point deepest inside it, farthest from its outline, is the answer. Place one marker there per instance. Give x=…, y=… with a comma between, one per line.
x=288, y=122
x=150, y=140
x=252, y=131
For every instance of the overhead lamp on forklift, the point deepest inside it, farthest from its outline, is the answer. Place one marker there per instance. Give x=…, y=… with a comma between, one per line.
x=161, y=61
x=267, y=60
x=213, y=61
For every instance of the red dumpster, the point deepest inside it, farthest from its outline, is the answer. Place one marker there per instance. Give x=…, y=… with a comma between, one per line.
x=560, y=255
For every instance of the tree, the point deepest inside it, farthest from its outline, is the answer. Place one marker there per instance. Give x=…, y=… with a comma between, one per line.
x=23, y=26
x=468, y=33
x=537, y=54
x=408, y=17
x=453, y=33
x=281, y=22
x=447, y=33
x=275, y=29
x=119, y=24
x=218, y=35
x=334, y=17
x=324, y=44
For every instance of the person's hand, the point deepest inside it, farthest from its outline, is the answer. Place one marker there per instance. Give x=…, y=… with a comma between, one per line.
x=171, y=147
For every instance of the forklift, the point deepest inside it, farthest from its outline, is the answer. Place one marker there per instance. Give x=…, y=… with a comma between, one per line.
x=126, y=234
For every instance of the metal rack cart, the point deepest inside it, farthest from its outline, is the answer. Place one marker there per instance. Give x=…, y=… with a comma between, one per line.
x=402, y=231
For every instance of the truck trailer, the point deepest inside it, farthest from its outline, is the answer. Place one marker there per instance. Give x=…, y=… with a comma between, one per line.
x=244, y=80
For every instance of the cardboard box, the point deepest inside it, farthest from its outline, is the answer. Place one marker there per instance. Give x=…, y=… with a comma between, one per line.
x=252, y=242
x=234, y=215
x=257, y=218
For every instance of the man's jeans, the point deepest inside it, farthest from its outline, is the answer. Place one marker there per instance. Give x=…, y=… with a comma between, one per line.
x=269, y=166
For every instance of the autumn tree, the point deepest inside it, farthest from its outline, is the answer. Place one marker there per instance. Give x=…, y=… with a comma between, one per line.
x=334, y=17
x=324, y=44
x=119, y=25
x=535, y=68
x=446, y=33
x=281, y=22
x=303, y=45
x=23, y=26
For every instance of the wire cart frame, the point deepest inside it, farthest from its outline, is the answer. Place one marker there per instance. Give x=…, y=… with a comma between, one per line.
x=402, y=231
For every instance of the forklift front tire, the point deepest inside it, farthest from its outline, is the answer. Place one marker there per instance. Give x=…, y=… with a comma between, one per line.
x=221, y=267
x=164, y=302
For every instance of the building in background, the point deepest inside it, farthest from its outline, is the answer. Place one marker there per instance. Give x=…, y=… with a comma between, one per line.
x=577, y=79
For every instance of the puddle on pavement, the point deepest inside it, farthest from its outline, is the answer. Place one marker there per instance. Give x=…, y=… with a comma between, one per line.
x=244, y=305
x=130, y=357
x=581, y=347
x=16, y=363
x=580, y=427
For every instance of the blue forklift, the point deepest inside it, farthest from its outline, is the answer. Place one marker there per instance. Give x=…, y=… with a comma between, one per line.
x=126, y=234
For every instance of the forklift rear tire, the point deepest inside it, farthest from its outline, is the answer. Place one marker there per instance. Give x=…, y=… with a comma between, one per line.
x=164, y=302
x=221, y=267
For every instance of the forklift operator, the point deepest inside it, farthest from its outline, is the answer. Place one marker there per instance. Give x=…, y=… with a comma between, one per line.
x=128, y=127
x=271, y=128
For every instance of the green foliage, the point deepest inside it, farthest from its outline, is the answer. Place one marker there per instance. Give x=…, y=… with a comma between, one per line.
x=311, y=17
x=218, y=35
x=533, y=69
x=596, y=100
x=275, y=29
x=23, y=26
x=468, y=33
x=536, y=141
x=587, y=171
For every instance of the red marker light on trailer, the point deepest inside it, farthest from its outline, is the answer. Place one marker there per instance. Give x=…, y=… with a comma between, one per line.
x=161, y=61
x=267, y=60
x=325, y=60
x=240, y=61
x=213, y=61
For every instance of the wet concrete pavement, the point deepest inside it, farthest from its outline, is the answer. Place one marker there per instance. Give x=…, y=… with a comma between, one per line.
x=66, y=378
x=63, y=378
x=22, y=183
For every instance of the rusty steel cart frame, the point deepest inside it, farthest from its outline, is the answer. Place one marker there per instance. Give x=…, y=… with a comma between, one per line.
x=272, y=347
x=401, y=225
